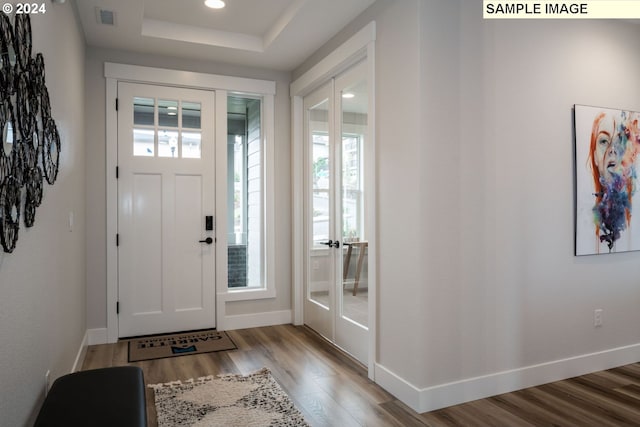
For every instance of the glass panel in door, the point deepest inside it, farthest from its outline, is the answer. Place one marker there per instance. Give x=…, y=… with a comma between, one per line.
x=321, y=225
x=354, y=104
x=320, y=218
x=351, y=140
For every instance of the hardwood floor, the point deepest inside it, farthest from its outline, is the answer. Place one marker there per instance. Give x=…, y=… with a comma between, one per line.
x=331, y=389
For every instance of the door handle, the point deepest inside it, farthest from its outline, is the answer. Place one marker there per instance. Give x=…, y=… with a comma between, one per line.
x=331, y=244
x=208, y=241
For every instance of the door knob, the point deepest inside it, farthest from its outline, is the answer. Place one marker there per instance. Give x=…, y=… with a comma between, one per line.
x=208, y=241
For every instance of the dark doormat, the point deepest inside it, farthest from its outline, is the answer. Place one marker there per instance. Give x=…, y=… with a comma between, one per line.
x=161, y=346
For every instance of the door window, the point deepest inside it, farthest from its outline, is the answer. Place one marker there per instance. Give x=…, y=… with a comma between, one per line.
x=166, y=128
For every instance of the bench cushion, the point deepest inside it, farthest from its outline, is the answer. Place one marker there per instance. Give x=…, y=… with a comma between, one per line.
x=100, y=397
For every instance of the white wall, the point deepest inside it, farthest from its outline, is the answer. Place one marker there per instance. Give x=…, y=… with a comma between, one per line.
x=96, y=186
x=42, y=283
x=482, y=293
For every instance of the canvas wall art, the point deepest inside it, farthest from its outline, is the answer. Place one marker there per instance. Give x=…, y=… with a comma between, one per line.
x=607, y=142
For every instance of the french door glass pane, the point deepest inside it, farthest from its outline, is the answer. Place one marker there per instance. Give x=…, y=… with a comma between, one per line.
x=354, y=102
x=320, y=209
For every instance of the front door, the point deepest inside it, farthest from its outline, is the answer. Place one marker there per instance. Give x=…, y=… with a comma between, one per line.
x=166, y=236
x=336, y=246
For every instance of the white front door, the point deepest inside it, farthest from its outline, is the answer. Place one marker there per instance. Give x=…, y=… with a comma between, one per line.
x=336, y=245
x=166, y=236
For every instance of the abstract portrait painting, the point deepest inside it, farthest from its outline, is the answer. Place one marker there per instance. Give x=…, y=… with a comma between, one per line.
x=607, y=142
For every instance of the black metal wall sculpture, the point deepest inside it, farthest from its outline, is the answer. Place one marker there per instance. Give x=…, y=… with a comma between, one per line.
x=30, y=147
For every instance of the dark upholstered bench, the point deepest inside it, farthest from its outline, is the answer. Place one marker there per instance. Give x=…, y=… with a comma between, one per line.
x=100, y=397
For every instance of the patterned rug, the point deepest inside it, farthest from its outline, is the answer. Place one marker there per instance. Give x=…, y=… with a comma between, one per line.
x=254, y=400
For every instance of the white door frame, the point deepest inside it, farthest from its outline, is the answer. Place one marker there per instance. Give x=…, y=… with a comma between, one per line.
x=221, y=84
x=360, y=46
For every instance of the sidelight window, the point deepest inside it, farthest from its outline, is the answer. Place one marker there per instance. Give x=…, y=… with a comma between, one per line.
x=245, y=192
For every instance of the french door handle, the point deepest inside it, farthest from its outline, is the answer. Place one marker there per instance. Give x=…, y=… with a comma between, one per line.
x=208, y=241
x=331, y=244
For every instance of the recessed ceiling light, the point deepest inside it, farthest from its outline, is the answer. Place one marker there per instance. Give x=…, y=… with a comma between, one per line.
x=214, y=4
x=348, y=95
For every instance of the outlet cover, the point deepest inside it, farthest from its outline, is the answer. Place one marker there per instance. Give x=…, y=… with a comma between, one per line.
x=597, y=318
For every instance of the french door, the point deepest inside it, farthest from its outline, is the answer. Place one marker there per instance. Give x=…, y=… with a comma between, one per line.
x=166, y=241
x=336, y=247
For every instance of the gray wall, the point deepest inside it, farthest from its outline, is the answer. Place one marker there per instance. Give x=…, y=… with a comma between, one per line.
x=42, y=283
x=96, y=186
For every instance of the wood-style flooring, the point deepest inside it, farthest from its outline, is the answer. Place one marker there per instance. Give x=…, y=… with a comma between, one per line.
x=331, y=389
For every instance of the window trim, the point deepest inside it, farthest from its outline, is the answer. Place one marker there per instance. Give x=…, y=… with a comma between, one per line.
x=224, y=293
x=268, y=290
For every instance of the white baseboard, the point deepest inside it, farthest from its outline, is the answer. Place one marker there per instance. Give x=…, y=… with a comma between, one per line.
x=82, y=352
x=443, y=395
x=243, y=321
x=98, y=336
x=257, y=320
x=406, y=392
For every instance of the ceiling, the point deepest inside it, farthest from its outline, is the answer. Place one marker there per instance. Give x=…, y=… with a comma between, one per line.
x=273, y=34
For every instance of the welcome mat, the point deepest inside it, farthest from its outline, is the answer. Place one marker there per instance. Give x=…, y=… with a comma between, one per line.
x=254, y=400
x=161, y=346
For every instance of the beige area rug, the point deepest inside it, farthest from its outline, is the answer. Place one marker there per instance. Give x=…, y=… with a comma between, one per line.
x=254, y=400
x=161, y=346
